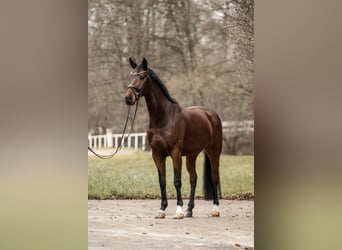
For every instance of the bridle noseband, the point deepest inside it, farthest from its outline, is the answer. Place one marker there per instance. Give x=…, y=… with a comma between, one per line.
x=137, y=91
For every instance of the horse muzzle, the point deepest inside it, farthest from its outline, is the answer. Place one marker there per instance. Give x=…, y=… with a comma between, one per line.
x=133, y=94
x=130, y=99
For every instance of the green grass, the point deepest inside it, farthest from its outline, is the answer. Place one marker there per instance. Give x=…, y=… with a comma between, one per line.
x=135, y=176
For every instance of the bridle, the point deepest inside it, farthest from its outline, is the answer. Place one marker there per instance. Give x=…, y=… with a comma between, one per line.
x=138, y=91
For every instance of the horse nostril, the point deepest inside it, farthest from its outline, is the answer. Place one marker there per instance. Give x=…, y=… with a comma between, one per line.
x=128, y=99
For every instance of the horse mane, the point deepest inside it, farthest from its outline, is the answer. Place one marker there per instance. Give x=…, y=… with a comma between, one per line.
x=161, y=85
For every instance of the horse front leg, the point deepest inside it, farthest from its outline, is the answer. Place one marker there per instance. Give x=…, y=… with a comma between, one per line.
x=160, y=163
x=177, y=166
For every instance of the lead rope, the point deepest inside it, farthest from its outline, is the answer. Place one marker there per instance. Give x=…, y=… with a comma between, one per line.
x=105, y=157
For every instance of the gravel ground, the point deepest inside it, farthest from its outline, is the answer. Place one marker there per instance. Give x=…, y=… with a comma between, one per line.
x=130, y=224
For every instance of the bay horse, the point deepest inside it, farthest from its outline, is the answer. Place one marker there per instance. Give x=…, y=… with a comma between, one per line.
x=176, y=131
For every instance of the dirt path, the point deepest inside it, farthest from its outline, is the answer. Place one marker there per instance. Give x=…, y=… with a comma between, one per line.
x=130, y=224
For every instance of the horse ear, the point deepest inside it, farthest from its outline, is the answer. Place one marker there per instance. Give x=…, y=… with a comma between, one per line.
x=133, y=64
x=144, y=63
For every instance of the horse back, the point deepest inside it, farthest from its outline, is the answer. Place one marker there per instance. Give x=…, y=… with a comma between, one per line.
x=203, y=118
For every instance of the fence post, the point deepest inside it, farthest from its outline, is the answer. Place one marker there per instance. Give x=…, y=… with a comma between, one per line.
x=89, y=140
x=109, y=135
x=136, y=142
x=116, y=143
x=95, y=142
x=143, y=142
x=129, y=141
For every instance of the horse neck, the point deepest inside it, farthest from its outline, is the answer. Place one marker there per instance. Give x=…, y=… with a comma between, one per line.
x=160, y=109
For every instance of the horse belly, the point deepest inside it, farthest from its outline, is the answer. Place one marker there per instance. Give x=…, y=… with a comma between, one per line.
x=200, y=129
x=194, y=143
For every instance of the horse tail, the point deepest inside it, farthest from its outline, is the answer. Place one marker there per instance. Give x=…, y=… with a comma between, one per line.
x=207, y=182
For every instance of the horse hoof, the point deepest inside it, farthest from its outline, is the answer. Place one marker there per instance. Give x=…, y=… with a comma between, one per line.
x=215, y=214
x=179, y=216
x=188, y=214
x=160, y=215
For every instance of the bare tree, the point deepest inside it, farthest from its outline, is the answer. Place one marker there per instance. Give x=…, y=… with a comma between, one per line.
x=202, y=50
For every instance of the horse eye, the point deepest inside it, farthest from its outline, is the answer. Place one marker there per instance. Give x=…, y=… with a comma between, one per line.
x=142, y=77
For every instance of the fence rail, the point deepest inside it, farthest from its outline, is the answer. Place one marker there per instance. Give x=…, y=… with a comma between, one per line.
x=138, y=140
x=238, y=126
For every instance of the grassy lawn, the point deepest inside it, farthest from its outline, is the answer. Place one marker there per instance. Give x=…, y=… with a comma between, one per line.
x=134, y=175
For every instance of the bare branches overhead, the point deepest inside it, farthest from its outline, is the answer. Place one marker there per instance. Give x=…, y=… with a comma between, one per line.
x=203, y=50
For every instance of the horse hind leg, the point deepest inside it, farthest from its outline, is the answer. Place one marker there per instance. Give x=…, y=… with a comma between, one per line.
x=191, y=167
x=212, y=163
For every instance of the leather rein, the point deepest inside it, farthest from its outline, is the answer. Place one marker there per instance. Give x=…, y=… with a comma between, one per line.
x=138, y=93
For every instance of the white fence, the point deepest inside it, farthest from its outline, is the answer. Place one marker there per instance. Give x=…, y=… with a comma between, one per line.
x=246, y=126
x=138, y=140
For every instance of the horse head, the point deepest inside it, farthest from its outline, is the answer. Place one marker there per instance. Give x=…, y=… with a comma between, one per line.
x=139, y=82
